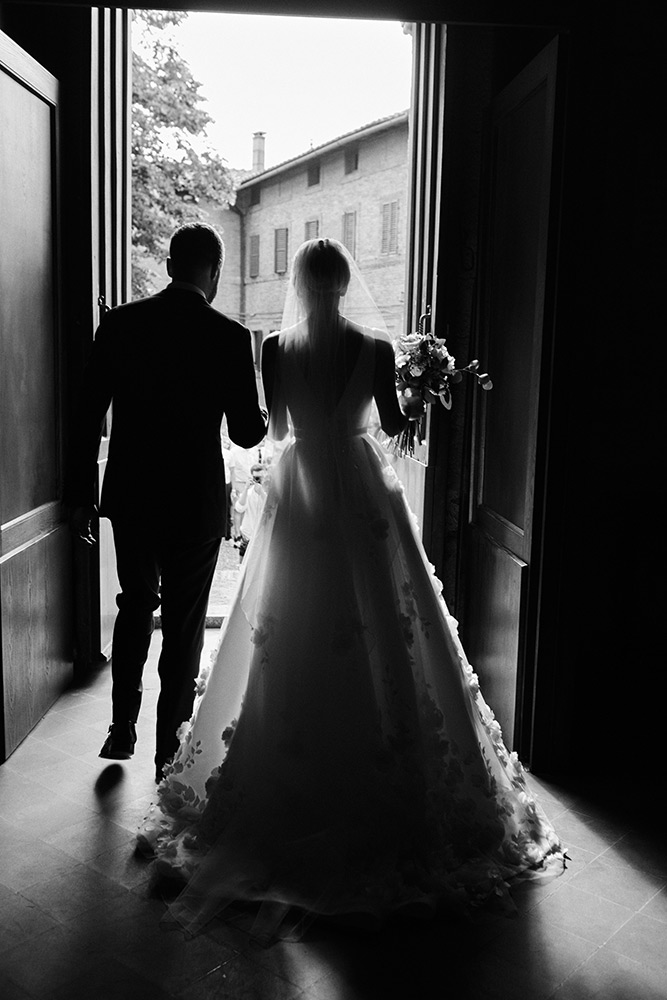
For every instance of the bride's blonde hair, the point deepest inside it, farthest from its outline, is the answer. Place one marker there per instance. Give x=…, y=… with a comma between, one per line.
x=320, y=270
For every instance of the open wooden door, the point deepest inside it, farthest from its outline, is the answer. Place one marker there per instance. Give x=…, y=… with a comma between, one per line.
x=516, y=313
x=35, y=572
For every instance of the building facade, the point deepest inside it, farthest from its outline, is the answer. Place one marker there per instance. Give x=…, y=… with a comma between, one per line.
x=353, y=189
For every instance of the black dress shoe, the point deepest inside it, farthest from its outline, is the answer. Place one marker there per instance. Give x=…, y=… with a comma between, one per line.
x=119, y=744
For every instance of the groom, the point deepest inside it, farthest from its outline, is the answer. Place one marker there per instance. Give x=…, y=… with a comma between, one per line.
x=171, y=367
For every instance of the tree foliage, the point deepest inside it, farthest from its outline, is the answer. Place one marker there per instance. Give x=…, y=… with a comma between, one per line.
x=174, y=174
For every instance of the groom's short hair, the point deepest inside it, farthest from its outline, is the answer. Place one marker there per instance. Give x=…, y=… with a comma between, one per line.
x=196, y=245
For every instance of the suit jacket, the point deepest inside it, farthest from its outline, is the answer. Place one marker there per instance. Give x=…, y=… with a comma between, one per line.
x=173, y=367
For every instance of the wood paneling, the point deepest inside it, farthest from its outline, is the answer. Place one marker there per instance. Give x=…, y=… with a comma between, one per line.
x=35, y=579
x=35, y=586
x=27, y=319
x=496, y=605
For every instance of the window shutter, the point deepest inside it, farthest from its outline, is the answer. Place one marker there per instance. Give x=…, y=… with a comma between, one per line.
x=314, y=174
x=253, y=268
x=389, y=228
x=280, y=251
x=349, y=235
x=312, y=229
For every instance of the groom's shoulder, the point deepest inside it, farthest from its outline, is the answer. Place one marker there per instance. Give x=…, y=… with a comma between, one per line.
x=162, y=309
x=230, y=326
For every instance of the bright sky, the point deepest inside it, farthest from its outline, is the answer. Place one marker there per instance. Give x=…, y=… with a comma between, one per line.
x=301, y=80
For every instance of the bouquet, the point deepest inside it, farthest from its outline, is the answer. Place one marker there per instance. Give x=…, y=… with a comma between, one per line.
x=425, y=372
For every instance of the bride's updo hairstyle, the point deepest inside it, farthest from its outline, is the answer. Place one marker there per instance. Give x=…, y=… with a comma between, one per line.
x=321, y=271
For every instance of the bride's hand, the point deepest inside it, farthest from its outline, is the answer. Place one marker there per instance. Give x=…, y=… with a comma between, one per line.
x=413, y=407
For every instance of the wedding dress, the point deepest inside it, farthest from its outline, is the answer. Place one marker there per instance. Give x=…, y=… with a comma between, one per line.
x=341, y=758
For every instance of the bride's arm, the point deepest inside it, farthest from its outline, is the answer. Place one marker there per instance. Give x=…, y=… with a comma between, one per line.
x=392, y=418
x=269, y=364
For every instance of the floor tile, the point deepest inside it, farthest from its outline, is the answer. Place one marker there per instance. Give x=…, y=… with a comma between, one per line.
x=609, y=976
x=10, y=991
x=89, y=837
x=109, y=980
x=48, y=962
x=541, y=946
x=133, y=932
x=577, y=830
x=628, y=886
x=20, y=868
x=643, y=851
x=584, y=914
x=123, y=866
x=81, y=917
x=20, y=919
x=657, y=906
x=643, y=939
x=240, y=979
x=68, y=896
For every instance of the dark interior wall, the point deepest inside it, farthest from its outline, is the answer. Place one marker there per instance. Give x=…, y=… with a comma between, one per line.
x=614, y=499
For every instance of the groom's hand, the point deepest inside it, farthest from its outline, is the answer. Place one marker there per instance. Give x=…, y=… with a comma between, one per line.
x=81, y=523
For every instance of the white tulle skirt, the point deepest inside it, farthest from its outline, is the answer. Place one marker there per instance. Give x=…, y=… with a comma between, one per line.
x=341, y=759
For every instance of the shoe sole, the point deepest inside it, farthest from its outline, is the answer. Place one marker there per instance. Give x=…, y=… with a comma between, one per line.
x=117, y=755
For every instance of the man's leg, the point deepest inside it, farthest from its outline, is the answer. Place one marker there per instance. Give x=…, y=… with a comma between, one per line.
x=187, y=575
x=138, y=570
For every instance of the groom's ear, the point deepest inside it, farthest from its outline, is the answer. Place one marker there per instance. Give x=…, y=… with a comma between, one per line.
x=169, y=267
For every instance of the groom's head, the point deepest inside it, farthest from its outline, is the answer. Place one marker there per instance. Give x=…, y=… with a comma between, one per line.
x=197, y=255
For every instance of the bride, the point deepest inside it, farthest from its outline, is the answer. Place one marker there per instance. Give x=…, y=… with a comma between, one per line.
x=340, y=760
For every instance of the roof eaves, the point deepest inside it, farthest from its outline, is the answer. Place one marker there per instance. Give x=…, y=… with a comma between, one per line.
x=342, y=140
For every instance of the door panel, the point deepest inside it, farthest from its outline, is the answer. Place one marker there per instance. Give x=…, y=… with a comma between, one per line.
x=496, y=604
x=35, y=572
x=517, y=262
x=27, y=313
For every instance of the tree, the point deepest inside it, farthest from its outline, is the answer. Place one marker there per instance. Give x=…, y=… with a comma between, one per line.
x=171, y=179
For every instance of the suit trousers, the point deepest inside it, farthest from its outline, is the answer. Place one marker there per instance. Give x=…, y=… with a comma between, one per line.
x=175, y=575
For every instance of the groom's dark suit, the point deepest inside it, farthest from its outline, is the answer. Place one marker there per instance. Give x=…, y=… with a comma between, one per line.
x=172, y=366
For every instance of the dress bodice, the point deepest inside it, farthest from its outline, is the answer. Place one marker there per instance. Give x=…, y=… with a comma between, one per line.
x=305, y=396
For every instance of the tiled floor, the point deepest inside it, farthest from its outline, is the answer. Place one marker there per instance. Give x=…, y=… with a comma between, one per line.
x=79, y=918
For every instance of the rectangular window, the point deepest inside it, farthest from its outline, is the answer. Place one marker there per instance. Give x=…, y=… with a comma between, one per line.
x=314, y=174
x=255, y=194
x=390, y=228
x=351, y=160
x=349, y=234
x=253, y=263
x=312, y=229
x=280, y=264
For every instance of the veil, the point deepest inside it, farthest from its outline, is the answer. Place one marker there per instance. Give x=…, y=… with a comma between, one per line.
x=326, y=288
x=356, y=302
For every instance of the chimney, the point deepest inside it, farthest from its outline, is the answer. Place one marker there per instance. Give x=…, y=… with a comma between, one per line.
x=258, y=139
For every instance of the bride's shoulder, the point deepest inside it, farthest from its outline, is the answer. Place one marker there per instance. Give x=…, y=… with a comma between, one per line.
x=291, y=331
